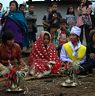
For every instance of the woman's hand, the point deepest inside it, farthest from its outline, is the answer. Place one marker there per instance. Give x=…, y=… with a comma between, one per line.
x=51, y=62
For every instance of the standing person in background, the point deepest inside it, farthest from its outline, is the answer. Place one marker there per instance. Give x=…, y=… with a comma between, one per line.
x=31, y=21
x=70, y=17
x=25, y=38
x=46, y=24
x=84, y=19
x=54, y=17
x=54, y=34
x=1, y=14
x=93, y=14
x=16, y=23
x=63, y=34
x=22, y=8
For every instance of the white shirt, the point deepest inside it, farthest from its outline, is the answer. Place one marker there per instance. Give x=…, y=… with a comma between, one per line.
x=64, y=56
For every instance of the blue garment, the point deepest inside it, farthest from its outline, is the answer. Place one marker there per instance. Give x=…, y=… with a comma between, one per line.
x=11, y=26
x=1, y=14
x=15, y=22
x=19, y=18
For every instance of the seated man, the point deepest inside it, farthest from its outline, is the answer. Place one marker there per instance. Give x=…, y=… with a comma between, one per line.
x=73, y=51
x=10, y=52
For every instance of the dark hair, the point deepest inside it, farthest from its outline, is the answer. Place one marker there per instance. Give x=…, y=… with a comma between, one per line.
x=21, y=5
x=54, y=26
x=1, y=4
x=15, y=3
x=68, y=11
x=54, y=3
x=49, y=5
x=63, y=21
x=92, y=32
x=87, y=3
x=46, y=34
x=7, y=36
x=30, y=5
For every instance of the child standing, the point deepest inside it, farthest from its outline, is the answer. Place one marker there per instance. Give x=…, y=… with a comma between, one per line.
x=70, y=17
x=46, y=24
x=54, y=16
x=63, y=34
x=54, y=34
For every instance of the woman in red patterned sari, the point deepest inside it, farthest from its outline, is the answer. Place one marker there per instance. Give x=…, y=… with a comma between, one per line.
x=43, y=57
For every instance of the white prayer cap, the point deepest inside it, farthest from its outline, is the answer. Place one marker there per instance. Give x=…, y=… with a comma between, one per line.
x=75, y=30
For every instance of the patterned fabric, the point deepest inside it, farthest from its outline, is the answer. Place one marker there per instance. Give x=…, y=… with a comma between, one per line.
x=11, y=54
x=40, y=56
x=84, y=16
x=79, y=21
x=62, y=38
x=71, y=20
x=87, y=20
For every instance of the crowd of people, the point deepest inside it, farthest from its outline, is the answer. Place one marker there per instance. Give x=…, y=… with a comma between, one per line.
x=59, y=43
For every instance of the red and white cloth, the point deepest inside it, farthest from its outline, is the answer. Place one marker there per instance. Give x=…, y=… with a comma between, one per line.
x=40, y=57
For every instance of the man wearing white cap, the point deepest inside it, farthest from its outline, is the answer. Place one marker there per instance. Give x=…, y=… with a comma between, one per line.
x=73, y=50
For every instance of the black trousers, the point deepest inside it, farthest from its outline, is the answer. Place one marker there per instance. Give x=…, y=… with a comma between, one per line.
x=87, y=31
x=88, y=65
x=93, y=21
x=31, y=37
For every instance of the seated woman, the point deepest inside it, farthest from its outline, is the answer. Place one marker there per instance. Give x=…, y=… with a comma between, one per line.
x=90, y=53
x=43, y=58
x=10, y=52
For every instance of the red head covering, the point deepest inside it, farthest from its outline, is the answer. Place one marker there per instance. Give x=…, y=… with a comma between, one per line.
x=40, y=56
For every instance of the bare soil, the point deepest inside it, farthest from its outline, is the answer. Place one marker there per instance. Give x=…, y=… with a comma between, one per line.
x=52, y=87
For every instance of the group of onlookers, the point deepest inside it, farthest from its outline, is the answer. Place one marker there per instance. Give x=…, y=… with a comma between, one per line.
x=83, y=18
x=60, y=43
x=22, y=24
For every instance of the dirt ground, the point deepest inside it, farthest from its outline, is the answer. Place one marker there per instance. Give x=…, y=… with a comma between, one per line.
x=52, y=87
